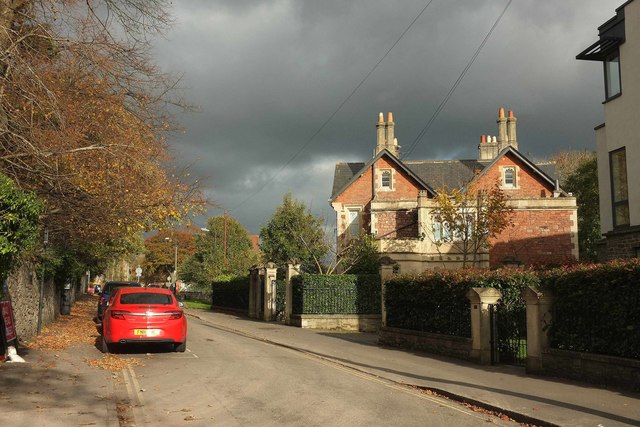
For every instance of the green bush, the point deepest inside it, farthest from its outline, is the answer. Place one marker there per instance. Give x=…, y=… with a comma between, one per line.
x=232, y=292
x=596, y=308
x=437, y=301
x=336, y=294
x=19, y=222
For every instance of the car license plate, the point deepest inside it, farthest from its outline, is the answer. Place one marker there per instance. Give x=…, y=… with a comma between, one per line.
x=146, y=332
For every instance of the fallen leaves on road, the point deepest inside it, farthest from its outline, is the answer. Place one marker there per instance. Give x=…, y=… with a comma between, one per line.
x=113, y=363
x=65, y=331
x=475, y=408
x=79, y=328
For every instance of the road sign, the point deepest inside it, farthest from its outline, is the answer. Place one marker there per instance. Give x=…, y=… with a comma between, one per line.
x=138, y=271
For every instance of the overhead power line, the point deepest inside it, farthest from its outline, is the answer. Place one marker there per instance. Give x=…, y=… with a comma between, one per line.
x=336, y=111
x=426, y=128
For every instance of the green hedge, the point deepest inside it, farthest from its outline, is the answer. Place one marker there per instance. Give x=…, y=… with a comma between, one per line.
x=231, y=293
x=596, y=308
x=336, y=294
x=436, y=301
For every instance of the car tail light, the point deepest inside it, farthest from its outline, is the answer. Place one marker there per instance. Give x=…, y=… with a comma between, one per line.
x=118, y=314
x=175, y=314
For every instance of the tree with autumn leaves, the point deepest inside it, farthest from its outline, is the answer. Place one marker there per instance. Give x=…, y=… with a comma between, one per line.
x=84, y=119
x=468, y=218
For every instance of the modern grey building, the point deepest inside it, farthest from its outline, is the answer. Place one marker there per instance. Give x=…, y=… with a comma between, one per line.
x=618, y=138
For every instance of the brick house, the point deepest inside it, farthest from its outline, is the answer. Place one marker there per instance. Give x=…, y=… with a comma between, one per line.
x=618, y=138
x=392, y=199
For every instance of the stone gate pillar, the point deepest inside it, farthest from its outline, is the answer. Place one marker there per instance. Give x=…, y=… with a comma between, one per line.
x=538, y=318
x=387, y=266
x=480, y=299
x=293, y=269
x=254, y=289
x=270, y=273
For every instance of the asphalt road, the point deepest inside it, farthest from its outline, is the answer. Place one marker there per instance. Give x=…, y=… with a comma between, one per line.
x=227, y=379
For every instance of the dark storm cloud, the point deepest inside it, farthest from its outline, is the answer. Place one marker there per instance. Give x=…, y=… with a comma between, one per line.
x=267, y=74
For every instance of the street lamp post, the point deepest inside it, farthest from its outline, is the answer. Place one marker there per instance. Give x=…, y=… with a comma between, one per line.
x=174, y=275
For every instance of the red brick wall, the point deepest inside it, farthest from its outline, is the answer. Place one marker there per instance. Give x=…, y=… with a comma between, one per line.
x=528, y=183
x=397, y=225
x=360, y=193
x=403, y=186
x=537, y=237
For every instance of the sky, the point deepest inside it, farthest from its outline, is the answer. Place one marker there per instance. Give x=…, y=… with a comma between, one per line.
x=284, y=89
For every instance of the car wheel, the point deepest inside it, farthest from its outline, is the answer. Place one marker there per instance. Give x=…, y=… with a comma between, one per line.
x=104, y=346
x=181, y=347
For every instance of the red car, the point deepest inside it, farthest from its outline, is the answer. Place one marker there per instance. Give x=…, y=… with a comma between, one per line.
x=144, y=315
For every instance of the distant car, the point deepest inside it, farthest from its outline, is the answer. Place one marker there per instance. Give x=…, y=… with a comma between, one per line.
x=108, y=290
x=144, y=315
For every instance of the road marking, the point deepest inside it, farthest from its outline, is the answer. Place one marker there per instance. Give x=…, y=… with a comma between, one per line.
x=136, y=399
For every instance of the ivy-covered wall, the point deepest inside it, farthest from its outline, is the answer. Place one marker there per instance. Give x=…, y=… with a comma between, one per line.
x=336, y=294
x=436, y=301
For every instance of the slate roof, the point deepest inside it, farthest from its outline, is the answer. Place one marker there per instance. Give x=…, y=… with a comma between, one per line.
x=446, y=173
x=435, y=173
x=343, y=174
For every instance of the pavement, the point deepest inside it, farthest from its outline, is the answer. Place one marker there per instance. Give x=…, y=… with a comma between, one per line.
x=59, y=388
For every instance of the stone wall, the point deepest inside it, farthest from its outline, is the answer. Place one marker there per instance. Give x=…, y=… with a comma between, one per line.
x=593, y=368
x=342, y=322
x=446, y=345
x=24, y=288
x=620, y=244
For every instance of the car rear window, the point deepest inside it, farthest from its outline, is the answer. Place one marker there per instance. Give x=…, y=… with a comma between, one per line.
x=145, y=298
x=109, y=287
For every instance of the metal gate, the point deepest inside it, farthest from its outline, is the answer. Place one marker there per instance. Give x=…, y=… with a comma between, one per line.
x=508, y=334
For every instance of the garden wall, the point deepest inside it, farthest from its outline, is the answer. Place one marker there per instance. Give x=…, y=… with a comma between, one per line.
x=445, y=345
x=593, y=368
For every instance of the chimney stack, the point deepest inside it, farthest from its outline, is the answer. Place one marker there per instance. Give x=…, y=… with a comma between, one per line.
x=380, y=129
x=502, y=129
x=386, y=135
x=511, y=130
x=390, y=131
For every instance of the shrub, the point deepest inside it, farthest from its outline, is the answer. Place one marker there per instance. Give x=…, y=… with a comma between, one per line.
x=595, y=308
x=336, y=294
x=436, y=301
x=231, y=292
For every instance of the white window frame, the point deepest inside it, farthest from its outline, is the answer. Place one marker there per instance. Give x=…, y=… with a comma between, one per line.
x=381, y=173
x=349, y=224
x=503, y=172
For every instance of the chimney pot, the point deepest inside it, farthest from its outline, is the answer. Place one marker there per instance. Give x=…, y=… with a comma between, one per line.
x=390, y=117
x=501, y=112
x=380, y=118
x=483, y=139
x=510, y=113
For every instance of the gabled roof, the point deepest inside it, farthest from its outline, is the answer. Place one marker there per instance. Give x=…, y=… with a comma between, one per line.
x=509, y=149
x=347, y=173
x=438, y=173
